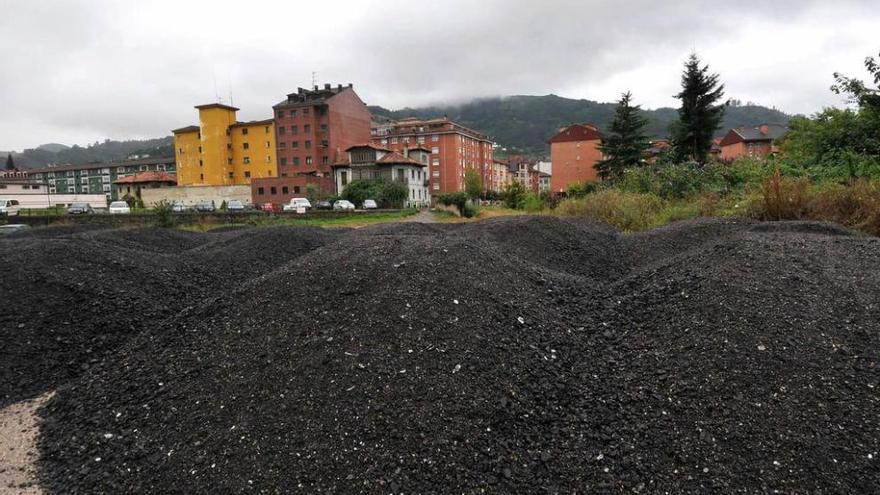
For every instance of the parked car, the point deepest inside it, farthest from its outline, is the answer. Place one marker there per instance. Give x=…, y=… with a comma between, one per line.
x=178, y=207
x=270, y=207
x=370, y=204
x=343, y=205
x=9, y=207
x=12, y=228
x=119, y=208
x=297, y=203
x=205, y=206
x=324, y=205
x=80, y=209
x=234, y=206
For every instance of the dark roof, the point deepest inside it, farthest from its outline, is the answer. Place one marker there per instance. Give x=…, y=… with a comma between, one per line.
x=763, y=132
x=397, y=158
x=311, y=97
x=367, y=145
x=216, y=105
x=90, y=166
x=253, y=122
x=150, y=176
x=189, y=128
x=576, y=132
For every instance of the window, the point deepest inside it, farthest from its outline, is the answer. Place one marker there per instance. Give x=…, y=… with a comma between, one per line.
x=244, y=131
x=282, y=144
x=435, y=162
x=295, y=189
x=325, y=159
x=305, y=112
x=266, y=129
x=421, y=140
x=261, y=191
x=180, y=151
x=406, y=140
x=285, y=190
x=343, y=177
x=246, y=160
x=294, y=145
x=308, y=160
x=143, y=168
x=160, y=167
x=307, y=128
x=435, y=137
x=436, y=173
x=247, y=174
x=436, y=187
x=293, y=113
x=435, y=150
x=394, y=140
x=268, y=144
x=201, y=176
x=283, y=162
x=293, y=129
x=308, y=145
x=246, y=146
x=323, y=127
x=385, y=142
x=296, y=160
x=231, y=175
x=280, y=114
x=268, y=158
x=281, y=129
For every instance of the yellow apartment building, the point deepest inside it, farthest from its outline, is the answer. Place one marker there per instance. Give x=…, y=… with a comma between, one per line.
x=221, y=151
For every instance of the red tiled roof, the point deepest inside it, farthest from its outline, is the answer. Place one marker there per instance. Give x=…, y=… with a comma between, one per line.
x=397, y=158
x=142, y=177
x=576, y=132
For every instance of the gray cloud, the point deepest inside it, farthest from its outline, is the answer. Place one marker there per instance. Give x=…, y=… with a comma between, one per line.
x=77, y=72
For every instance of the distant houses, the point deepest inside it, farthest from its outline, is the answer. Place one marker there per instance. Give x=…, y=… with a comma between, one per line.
x=574, y=152
x=757, y=142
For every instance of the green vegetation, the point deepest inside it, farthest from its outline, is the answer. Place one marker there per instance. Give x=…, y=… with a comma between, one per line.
x=10, y=164
x=95, y=152
x=351, y=220
x=388, y=194
x=313, y=193
x=473, y=184
x=460, y=201
x=625, y=142
x=700, y=114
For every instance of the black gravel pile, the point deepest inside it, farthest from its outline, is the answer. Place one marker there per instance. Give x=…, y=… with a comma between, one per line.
x=151, y=239
x=740, y=358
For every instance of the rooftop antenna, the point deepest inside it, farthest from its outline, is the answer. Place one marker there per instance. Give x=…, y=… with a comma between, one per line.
x=229, y=87
x=314, y=79
x=216, y=93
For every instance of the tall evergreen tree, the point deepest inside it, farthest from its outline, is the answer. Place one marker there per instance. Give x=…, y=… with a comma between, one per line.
x=700, y=113
x=9, y=164
x=626, y=142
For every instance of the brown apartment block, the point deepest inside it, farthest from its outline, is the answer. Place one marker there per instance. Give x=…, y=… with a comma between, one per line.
x=455, y=149
x=313, y=128
x=574, y=152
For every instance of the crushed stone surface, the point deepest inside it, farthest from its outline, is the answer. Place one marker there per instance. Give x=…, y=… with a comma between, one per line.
x=516, y=355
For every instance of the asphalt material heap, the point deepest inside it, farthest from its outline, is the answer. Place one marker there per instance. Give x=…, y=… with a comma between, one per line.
x=521, y=355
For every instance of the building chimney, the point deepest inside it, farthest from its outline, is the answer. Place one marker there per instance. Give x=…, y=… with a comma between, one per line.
x=350, y=85
x=299, y=91
x=327, y=86
x=316, y=87
x=339, y=87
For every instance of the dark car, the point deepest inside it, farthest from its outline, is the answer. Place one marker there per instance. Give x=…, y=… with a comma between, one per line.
x=205, y=206
x=80, y=209
x=324, y=205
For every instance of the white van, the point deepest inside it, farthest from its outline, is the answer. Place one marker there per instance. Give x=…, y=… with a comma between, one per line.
x=9, y=207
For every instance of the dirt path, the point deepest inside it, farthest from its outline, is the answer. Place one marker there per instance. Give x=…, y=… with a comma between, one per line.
x=18, y=446
x=423, y=216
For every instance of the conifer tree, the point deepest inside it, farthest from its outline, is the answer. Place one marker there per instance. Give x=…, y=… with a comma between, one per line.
x=9, y=164
x=626, y=142
x=700, y=113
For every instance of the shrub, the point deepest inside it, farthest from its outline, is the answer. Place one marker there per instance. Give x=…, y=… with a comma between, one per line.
x=532, y=202
x=359, y=190
x=312, y=193
x=785, y=198
x=460, y=201
x=164, y=214
x=393, y=194
x=855, y=205
x=513, y=194
x=623, y=210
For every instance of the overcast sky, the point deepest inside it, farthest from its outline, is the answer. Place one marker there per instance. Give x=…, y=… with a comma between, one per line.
x=81, y=71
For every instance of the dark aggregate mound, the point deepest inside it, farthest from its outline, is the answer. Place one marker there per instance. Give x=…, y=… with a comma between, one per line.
x=570, y=245
x=153, y=239
x=54, y=231
x=736, y=359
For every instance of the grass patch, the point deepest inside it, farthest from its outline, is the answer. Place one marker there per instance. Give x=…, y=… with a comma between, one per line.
x=342, y=221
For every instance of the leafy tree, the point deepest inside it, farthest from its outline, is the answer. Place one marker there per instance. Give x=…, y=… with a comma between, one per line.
x=625, y=142
x=700, y=113
x=312, y=192
x=856, y=89
x=10, y=165
x=473, y=184
x=513, y=195
x=393, y=194
x=359, y=190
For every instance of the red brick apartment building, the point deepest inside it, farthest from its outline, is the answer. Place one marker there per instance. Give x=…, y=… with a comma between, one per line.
x=455, y=149
x=574, y=152
x=313, y=128
x=751, y=141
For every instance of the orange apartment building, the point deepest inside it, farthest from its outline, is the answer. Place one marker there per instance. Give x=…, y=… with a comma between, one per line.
x=455, y=149
x=574, y=152
x=313, y=128
x=498, y=176
x=751, y=141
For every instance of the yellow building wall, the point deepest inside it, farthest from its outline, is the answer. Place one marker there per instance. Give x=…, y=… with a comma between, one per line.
x=215, y=122
x=260, y=153
x=187, y=156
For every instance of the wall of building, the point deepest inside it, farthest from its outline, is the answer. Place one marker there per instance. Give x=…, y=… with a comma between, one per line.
x=259, y=155
x=573, y=162
x=280, y=190
x=36, y=196
x=190, y=195
x=733, y=151
x=214, y=123
x=97, y=178
x=186, y=150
